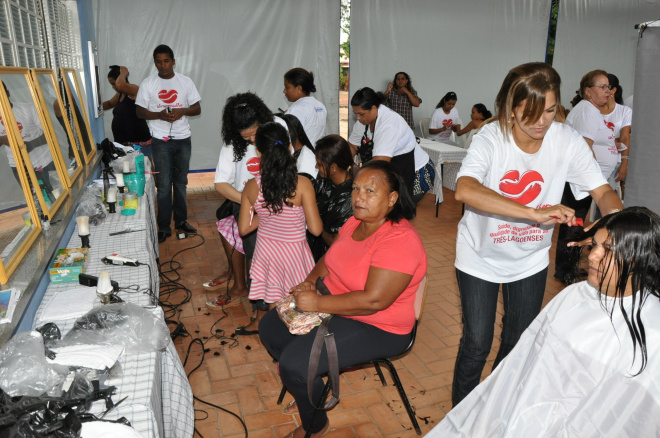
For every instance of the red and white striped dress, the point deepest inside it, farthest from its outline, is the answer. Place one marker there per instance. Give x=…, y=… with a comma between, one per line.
x=282, y=258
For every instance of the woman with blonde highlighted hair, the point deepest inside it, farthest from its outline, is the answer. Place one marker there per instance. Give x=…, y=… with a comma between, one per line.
x=512, y=181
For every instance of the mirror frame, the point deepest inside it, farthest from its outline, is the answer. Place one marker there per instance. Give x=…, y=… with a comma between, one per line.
x=83, y=110
x=19, y=150
x=95, y=77
x=55, y=150
x=35, y=79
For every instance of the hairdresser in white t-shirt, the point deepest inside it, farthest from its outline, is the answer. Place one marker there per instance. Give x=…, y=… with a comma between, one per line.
x=512, y=181
x=382, y=134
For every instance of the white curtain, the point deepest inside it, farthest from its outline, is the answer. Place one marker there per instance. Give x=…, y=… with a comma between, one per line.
x=445, y=45
x=599, y=34
x=226, y=47
x=643, y=181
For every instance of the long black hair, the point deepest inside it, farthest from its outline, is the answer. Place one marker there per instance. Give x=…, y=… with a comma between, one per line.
x=296, y=130
x=300, y=76
x=242, y=111
x=404, y=207
x=634, y=251
x=366, y=98
x=447, y=97
x=481, y=109
x=334, y=149
x=614, y=83
x=279, y=176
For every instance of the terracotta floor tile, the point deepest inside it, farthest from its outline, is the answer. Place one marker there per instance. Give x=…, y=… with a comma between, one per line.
x=243, y=378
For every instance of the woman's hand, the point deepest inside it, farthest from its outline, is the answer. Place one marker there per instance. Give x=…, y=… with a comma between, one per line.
x=622, y=172
x=555, y=214
x=307, y=301
x=305, y=286
x=390, y=85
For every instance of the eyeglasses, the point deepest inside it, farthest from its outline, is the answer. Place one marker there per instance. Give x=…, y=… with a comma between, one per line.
x=603, y=87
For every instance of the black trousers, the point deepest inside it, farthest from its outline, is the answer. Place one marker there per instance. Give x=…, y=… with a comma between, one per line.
x=357, y=343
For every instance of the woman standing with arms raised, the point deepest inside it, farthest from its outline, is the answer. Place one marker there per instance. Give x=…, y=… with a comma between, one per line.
x=402, y=97
x=511, y=181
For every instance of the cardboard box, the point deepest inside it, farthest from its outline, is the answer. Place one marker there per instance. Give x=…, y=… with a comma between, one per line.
x=68, y=264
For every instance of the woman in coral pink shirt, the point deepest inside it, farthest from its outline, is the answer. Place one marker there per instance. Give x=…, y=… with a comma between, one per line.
x=372, y=271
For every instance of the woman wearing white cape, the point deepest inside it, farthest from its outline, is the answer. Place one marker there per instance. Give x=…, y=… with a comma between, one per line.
x=587, y=366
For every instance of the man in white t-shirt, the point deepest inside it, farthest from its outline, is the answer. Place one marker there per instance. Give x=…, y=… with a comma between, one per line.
x=166, y=100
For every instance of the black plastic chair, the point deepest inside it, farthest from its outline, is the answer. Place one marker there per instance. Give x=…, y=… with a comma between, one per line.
x=420, y=295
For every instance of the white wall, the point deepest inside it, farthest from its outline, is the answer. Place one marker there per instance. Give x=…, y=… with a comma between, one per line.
x=599, y=34
x=445, y=45
x=226, y=47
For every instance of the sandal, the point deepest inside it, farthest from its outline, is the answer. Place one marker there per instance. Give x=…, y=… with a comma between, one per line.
x=243, y=331
x=289, y=405
x=216, y=283
x=222, y=302
x=325, y=432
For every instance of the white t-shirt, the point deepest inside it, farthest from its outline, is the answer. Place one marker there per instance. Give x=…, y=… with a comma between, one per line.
x=501, y=249
x=29, y=125
x=569, y=375
x=586, y=119
x=392, y=137
x=439, y=119
x=421, y=157
x=157, y=94
x=306, y=162
x=312, y=115
x=238, y=173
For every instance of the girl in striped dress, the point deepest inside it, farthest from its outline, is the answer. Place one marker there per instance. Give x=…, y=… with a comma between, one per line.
x=280, y=205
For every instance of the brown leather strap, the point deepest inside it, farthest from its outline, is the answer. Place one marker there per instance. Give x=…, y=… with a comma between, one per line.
x=323, y=337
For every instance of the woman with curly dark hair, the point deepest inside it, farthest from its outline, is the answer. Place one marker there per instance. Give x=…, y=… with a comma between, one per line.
x=285, y=206
x=238, y=163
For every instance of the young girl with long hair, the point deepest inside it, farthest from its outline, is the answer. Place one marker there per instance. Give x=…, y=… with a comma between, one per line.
x=280, y=205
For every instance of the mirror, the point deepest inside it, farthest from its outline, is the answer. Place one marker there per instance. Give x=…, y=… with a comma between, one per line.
x=19, y=223
x=95, y=88
x=51, y=102
x=35, y=148
x=78, y=114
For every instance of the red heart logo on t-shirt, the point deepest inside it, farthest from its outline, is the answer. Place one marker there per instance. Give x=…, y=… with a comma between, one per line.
x=253, y=165
x=522, y=190
x=168, y=96
x=447, y=121
x=609, y=125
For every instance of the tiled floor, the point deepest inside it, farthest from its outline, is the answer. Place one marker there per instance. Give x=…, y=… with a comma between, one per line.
x=243, y=379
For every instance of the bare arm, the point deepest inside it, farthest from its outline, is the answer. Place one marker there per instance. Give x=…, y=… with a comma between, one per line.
x=439, y=130
x=624, y=137
x=472, y=192
x=383, y=287
x=311, y=210
x=470, y=126
x=247, y=220
x=606, y=199
x=228, y=191
x=329, y=238
x=354, y=148
x=390, y=85
x=414, y=100
x=382, y=157
x=111, y=103
x=122, y=84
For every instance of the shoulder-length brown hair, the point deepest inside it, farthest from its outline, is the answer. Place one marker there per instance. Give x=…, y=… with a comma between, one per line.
x=528, y=82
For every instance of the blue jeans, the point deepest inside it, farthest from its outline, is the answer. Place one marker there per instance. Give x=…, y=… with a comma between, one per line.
x=522, y=303
x=172, y=161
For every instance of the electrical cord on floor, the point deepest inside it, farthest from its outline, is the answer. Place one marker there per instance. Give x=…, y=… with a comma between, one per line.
x=169, y=283
x=201, y=343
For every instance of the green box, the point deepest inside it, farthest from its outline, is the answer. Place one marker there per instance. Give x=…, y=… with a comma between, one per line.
x=69, y=263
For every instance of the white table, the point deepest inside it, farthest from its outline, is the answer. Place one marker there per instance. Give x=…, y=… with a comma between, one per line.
x=451, y=157
x=159, y=403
